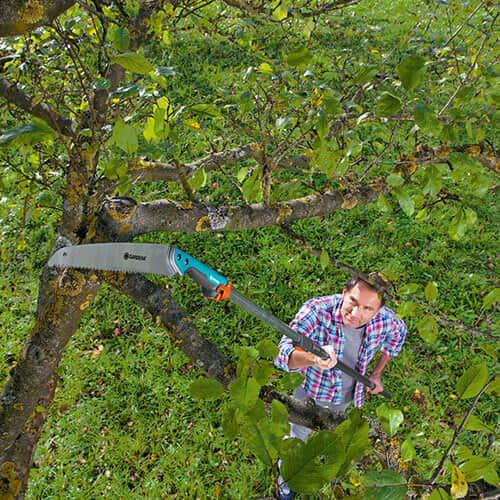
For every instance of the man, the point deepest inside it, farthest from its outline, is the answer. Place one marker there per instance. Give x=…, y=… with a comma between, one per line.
x=350, y=327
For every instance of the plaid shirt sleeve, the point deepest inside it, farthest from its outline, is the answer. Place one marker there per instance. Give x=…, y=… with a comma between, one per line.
x=304, y=322
x=396, y=329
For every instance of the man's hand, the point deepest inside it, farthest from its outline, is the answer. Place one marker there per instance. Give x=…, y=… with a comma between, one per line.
x=375, y=378
x=301, y=359
x=326, y=364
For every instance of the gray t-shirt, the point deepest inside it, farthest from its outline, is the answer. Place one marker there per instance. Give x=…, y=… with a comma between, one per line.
x=353, y=341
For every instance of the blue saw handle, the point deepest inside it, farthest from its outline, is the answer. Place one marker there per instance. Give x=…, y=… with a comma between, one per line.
x=214, y=285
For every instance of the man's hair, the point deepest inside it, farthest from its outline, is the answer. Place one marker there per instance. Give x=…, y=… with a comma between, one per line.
x=375, y=282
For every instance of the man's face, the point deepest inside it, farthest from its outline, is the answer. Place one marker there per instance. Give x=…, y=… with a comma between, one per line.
x=360, y=304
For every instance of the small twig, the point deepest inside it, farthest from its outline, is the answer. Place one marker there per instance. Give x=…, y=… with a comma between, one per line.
x=459, y=29
x=459, y=429
x=492, y=439
x=473, y=65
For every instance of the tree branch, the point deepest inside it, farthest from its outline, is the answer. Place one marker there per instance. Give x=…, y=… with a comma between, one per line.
x=458, y=430
x=148, y=171
x=13, y=94
x=21, y=16
x=169, y=216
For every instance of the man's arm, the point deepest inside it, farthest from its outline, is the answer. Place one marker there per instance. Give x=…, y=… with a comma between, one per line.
x=376, y=375
x=302, y=359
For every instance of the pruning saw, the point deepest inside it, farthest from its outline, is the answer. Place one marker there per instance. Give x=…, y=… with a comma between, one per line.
x=164, y=260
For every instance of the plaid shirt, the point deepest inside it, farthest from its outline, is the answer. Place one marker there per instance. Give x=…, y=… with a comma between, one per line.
x=321, y=320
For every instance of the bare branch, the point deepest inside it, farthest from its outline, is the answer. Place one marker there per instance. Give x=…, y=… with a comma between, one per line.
x=458, y=430
x=13, y=94
x=147, y=171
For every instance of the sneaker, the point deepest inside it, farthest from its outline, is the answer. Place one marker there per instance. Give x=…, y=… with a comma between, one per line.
x=285, y=493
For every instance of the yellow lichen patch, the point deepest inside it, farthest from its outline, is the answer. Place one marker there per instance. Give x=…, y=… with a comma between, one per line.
x=284, y=211
x=125, y=229
x=114, y=278
x=443, y=152
x=121, y=212
x=203, y=224
x=18, y=406
x=185, y=205
x=9, y=484
x=255, y=147
x=229, y=368
x=31, y=12
x=71, y=282
x=349, y=202
x=475, y=150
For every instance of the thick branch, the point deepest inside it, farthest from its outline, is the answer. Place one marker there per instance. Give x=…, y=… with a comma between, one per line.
x=13, y=94
x=169, y=216
x=20, y=16
x=63, y=297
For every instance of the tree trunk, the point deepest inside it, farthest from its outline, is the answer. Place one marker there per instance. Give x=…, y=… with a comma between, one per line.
x=28, y=394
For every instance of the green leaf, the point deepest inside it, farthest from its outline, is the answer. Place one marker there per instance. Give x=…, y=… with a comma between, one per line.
x=480, y=468
x=409, y=288
x=149, y=132
x=298, y=57
x=382, y=204
x=290, y=381
x=404, y=200
x=262, y=436
x=411, y=71
x=230, y=423
x=332, y=106
x=245, y=392
x=279, y=415
x=267, y=349
x=394, y=180
x=131, y=61
x=301, y=467
x=206, y=388
x=432, y=180
x=265, y=68
x=388, y=105
x=35, y=132
x=353, y=434
x=439, y=494
x=252, y=188
x=408, y=452
x=365, y=74
x=431, y=291
x=474, y=424
x=426, y=120
x=199, y=179
x=127, y=91
x=386, y=485
x=389, y=418
x=280, y=12
x=427, y=328
x=120, y=37
x=491, y=298
x=262, y=371
x=324, y=259
x=458, y=225
x=472, y=381
x=207, y=110
x=458, y=483
x=247, y=355
x=125, y=136
x=494, y=386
